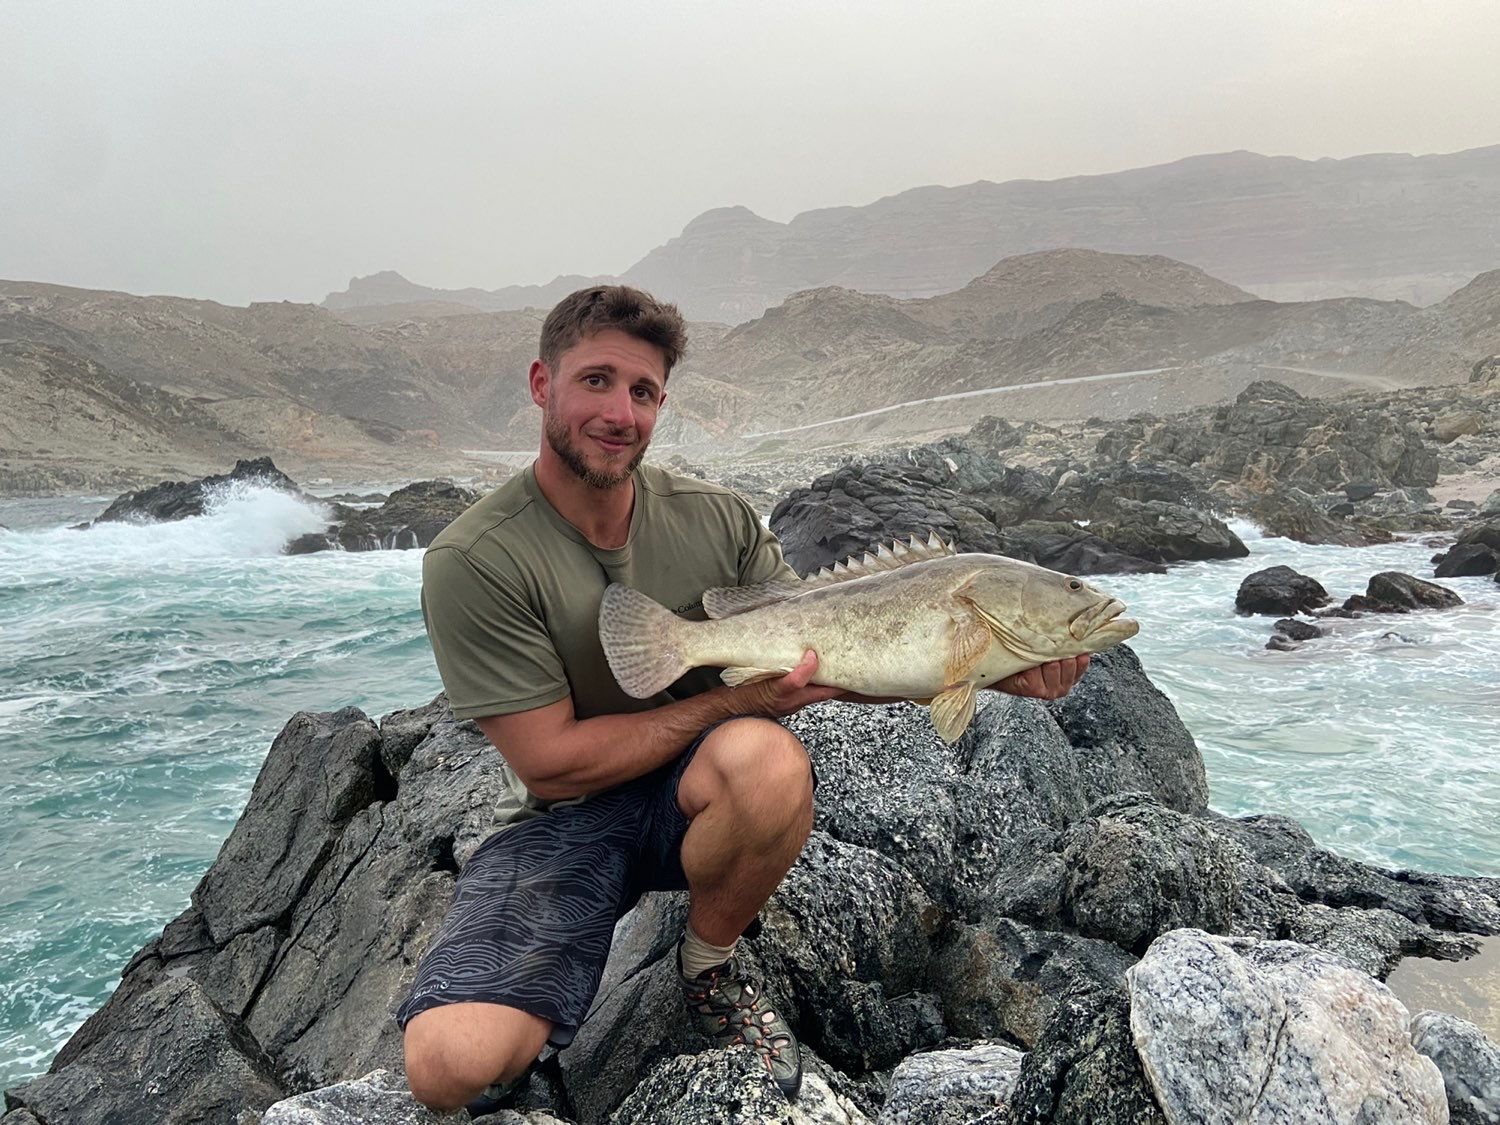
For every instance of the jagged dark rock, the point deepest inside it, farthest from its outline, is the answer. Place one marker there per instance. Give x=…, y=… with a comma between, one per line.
x=1467, y=559
x=1279, y=591
x=1145, y=515
x=946, y=891
x=1390, y=591
x=1295, y=630
x=1167, y=532
x=169, y=1055
x=180, y=500
x=1271, y=434
x=1070, y=549
x=410, y=517
x=1084, y=1066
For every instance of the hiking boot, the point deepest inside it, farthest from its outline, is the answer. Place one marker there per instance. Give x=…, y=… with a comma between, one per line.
x=732, y=1009
x=495, y=1097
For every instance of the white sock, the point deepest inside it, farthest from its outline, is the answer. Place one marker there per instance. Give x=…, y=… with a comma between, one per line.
x=698, y=956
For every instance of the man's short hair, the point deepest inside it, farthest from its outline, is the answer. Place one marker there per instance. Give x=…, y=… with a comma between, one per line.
x=632, y=311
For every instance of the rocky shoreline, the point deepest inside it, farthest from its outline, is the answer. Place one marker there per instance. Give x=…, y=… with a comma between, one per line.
x=1127, y=498
x=1044, y=922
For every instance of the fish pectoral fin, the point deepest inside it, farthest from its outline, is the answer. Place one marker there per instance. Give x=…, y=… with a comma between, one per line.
x=971, y=641
x=952, y=711
x=735, y=677
x=1005, y=634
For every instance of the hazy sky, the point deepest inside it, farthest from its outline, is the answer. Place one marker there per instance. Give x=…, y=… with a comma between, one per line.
x=247, y=151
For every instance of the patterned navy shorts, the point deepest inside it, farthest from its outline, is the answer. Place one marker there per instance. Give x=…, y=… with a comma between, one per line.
x=536, y=905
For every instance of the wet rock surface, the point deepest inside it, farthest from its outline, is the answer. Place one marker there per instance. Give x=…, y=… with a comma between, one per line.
x=995, y=891
x=1279, y=591
x=180, y=500
x=409, y=517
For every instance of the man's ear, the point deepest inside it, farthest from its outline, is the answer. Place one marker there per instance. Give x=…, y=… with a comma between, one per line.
x=539, y=378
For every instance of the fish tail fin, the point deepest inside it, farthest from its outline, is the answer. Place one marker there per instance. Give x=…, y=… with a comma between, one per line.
x=642, y=641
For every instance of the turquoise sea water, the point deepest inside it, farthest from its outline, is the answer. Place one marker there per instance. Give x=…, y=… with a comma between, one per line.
x=144, y=671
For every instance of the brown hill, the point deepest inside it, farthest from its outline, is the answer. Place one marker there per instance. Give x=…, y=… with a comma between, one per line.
x=1031, y=291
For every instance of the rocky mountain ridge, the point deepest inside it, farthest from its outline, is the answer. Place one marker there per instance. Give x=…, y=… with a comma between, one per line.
x=1386, y=225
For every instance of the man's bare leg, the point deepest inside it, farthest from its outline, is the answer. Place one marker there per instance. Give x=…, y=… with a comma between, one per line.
x=454, y=1051
x=748, y=792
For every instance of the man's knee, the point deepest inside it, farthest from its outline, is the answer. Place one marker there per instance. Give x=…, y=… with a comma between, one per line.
x=759, y=757
x=455, y=1051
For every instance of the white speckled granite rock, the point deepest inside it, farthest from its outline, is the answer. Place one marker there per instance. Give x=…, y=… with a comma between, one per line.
x=379, y=1098
x=1470, y=1062
x=720, y=1087
x=1233, y=1030
x=953, y=1087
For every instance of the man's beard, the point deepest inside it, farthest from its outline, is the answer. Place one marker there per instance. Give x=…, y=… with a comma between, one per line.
x=561, y=442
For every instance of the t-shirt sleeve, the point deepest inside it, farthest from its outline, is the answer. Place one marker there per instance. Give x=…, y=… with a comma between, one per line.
x=492, y=649
x=760, y=551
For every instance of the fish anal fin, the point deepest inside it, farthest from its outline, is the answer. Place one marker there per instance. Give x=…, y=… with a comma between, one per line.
x=971, y=642
x=952, y=711
x=735, y=677
x=726, y=601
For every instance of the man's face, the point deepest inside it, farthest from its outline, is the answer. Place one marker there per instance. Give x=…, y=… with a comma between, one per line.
x=600, y=404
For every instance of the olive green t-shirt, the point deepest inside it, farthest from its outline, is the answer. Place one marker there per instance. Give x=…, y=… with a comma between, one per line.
x=511, y=592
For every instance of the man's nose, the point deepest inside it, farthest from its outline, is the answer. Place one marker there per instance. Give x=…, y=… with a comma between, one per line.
x=617, y=410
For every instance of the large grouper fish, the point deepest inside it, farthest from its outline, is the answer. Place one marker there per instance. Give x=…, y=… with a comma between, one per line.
x=914, y=621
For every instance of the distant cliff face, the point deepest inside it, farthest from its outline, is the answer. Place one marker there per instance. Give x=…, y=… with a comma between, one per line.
x=1389, y=226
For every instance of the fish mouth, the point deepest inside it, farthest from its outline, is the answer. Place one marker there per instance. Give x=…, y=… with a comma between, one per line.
x=1102, y=622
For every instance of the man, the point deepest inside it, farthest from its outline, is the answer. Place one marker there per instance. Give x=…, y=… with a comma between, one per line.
x=699, y=788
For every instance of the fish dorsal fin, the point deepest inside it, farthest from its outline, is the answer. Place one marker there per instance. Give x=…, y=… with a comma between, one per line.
x=884, y=558
x=726, y=601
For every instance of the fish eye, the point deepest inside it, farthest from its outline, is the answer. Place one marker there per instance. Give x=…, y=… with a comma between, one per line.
x=1074, y=584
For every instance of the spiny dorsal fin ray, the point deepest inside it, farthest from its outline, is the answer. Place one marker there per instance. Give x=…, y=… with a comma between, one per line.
x=883, y=558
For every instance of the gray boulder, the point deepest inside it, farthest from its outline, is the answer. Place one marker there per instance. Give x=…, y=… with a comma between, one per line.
x=957, y=1086
x=321, y=770
x=1469, y=1062
x=1069, y=549
x=380, y=1098
x=1314, y=874
x=730, y=1088
x=1279, y=591
x=1165, y=532
x=170, y=1057
x=1231, y=1030
x=1134, y=870
x=1467, y=559
x=954, y=817
x=1002, y=979
x=1391, y=591
x=1084, y=1066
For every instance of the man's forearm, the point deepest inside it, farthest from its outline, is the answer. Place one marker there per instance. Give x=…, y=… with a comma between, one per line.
x=609, y=750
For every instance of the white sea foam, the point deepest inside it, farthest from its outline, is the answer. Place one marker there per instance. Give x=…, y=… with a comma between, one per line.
x=240, y=521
